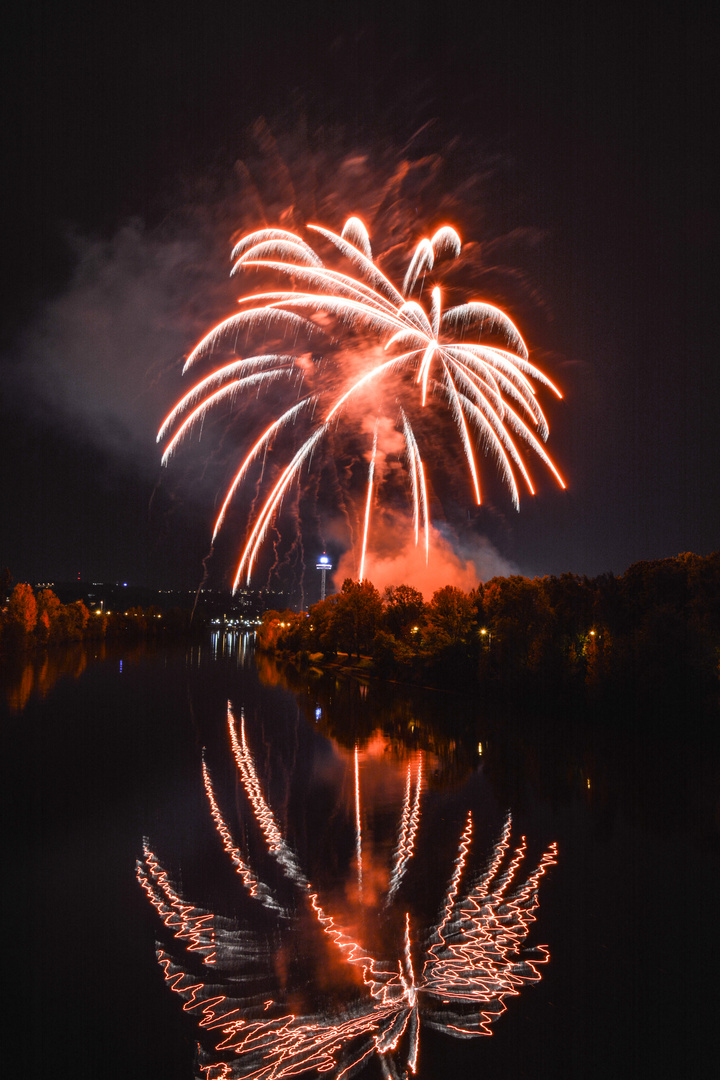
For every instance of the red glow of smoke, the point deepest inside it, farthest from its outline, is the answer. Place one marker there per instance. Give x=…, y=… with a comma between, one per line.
x=401, y=561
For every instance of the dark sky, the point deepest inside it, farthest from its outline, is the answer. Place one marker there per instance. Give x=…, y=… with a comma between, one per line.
x=595, y=125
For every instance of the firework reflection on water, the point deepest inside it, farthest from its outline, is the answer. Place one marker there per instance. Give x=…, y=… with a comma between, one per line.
x=347, y=970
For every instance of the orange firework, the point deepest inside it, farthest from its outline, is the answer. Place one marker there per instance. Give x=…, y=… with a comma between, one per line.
x=386, y=352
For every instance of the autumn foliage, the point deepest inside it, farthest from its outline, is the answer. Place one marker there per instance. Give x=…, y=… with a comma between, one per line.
x=33, y=619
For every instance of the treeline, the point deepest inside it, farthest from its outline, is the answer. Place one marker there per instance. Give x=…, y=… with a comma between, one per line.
x=32, y=619
x=650, y=634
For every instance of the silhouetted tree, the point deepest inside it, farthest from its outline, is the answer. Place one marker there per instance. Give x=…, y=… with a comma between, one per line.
x=404, y=609
x=451, y=618
x=49, y=623
x=356, y=616
x=74, y=619
x=321, y=632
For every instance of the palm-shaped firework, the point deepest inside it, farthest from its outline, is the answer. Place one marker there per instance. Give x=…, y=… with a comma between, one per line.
x=456, y=979
x=386, y=356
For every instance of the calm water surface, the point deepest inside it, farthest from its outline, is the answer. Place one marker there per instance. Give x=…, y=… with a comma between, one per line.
x=358, y=794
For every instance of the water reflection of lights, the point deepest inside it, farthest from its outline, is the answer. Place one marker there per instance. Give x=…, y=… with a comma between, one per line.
x=454, y=979
x=409, y=822
x=232, y=642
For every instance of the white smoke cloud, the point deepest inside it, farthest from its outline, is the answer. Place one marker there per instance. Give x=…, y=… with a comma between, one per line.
x=103, y=357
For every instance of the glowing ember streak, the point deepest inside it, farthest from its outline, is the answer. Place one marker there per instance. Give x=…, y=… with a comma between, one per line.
x=368, y=504
x=472, y=356
x=187, y=922
x=254, y=886
x=472, y=960
x=463, y=431
x=455, y=879
x=261, y=525
x=417, y=475
x=263, y=814
x=408, y=830
x=263, y=441
x=213, y=380
x=358, y=821
x=199, y=412
x=412, y=464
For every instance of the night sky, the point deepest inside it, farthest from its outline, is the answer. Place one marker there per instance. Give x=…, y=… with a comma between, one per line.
x=589, y=132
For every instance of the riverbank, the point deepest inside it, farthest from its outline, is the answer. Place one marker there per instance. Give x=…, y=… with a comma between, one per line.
x=548, y=696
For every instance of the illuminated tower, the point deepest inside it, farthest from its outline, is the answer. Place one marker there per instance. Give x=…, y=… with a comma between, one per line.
x=323, y=565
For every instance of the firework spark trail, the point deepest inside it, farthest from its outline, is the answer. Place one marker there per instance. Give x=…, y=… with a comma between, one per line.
x=462, y=425
x=413, y=467
x=408, y=830
x=261, y=443
x=352, y=952
x=358, y=821
x=279, y=848
x=479, y=958
x=387, y=365
x=250, y=318
x=233, y=388
x=368, y=505
x=474, y=958
x=262, y=812
x=290, y=1045
x=266, y=514
x=249, y=879
x=443, y=353
x=215, y=379
x=406, y=966
x=480, y=916
x=401, y=848
x=187, y=922
x=420, y=500
x=454, y=884
x=501, y=847
x=174, y=976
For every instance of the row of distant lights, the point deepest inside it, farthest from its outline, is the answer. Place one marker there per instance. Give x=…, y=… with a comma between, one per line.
x=100, y=611
x=235, y=622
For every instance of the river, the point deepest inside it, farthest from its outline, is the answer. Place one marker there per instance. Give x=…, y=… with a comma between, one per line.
x=332, y=862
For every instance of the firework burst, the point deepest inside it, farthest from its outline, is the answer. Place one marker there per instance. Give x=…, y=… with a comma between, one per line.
x=345, y=354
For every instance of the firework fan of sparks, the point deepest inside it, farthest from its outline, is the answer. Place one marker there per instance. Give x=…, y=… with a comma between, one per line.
x=454, y=979
x=344, y=350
